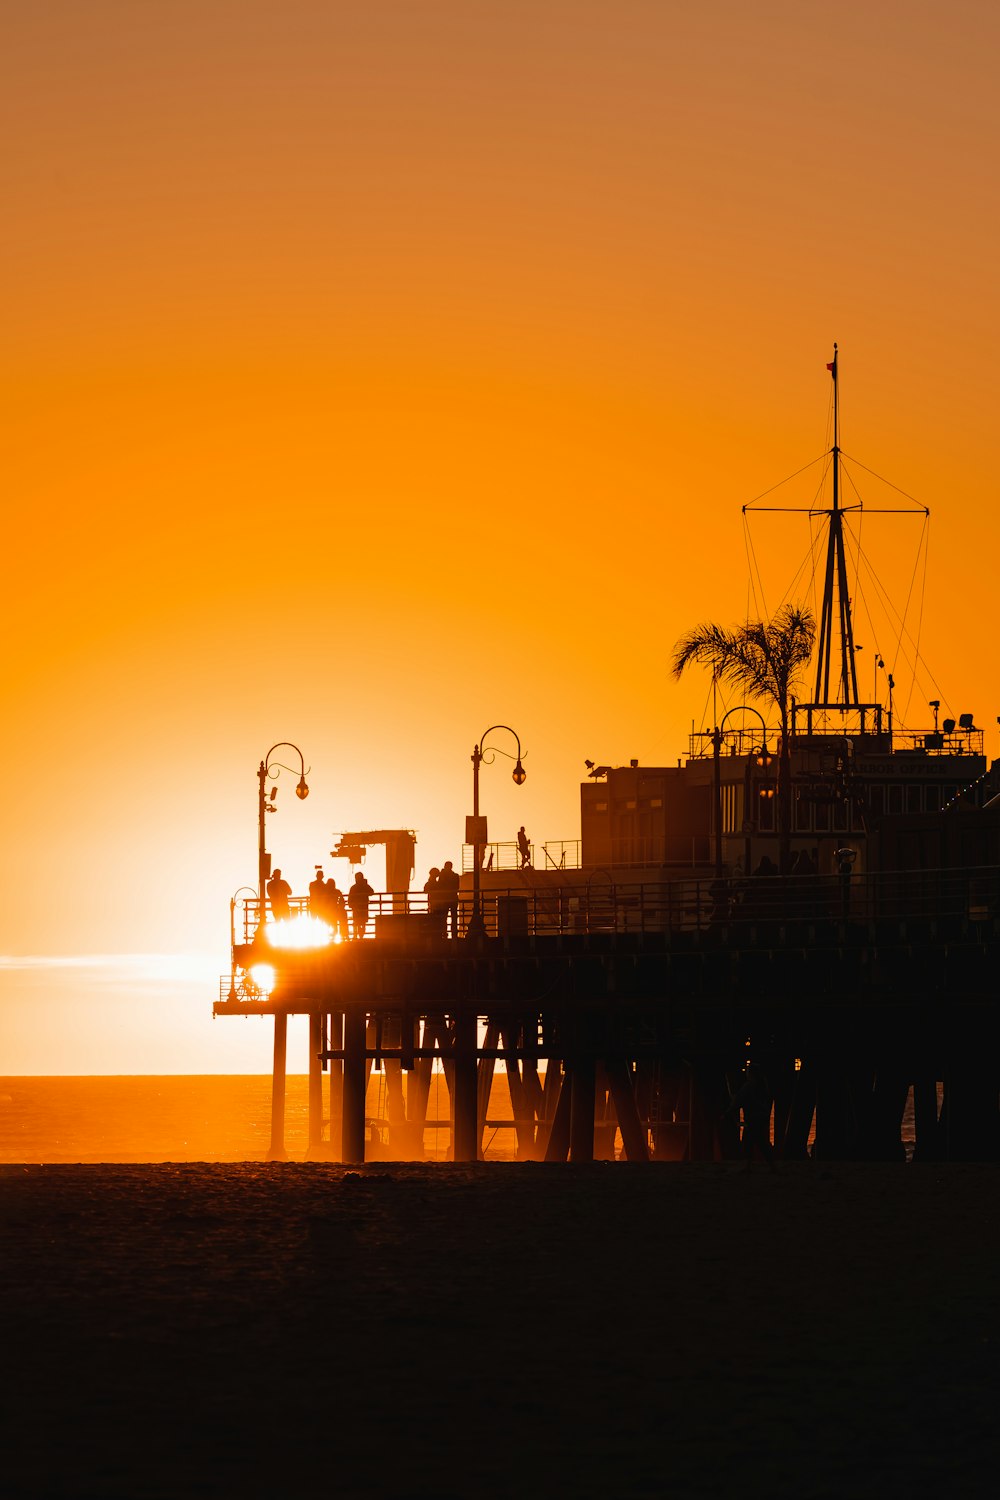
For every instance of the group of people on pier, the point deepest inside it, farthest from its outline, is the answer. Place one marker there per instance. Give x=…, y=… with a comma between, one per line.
x=326, y=901
x=329, y=903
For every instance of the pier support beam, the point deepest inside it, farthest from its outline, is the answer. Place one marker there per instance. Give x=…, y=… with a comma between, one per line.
x=276, y=1150
x=355, y=1085
x=927, y=1146
x=635, y=1137
x=465, y=1096
x=418, y=1087
x=557, y=1111
x=583, y=1087
x=314, y=1147
x=336, y=1085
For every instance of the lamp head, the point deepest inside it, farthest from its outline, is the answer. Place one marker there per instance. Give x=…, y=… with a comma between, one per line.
x=302, y=791
x=519, y=773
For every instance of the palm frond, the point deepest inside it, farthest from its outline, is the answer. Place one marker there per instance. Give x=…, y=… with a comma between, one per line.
x=707, y=646
x=762, y=658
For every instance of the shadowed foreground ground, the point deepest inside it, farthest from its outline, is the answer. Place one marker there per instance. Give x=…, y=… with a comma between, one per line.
x=499, y=1331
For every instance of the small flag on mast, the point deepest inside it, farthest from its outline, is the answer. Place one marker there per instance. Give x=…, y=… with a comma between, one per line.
x=833, y=369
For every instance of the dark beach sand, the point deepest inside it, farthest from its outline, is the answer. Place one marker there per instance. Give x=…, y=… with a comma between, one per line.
x=510, y=1331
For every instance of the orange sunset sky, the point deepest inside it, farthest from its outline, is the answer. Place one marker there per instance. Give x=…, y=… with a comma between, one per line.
x=375, y=372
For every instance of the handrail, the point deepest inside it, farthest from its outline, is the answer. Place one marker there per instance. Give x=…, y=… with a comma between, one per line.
x=971, y=894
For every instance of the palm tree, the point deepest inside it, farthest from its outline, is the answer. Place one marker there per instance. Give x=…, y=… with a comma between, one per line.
x=764, y=660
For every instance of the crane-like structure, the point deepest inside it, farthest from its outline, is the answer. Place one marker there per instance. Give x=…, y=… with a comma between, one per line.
x=399, y=864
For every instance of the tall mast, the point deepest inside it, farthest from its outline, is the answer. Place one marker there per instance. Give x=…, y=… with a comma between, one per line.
x=835, y=582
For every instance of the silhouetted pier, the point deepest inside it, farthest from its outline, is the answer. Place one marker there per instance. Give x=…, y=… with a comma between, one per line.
x=625, y=1012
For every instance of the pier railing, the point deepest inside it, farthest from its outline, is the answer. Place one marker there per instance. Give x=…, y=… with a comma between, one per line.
x=605, y=905
x=555, y=854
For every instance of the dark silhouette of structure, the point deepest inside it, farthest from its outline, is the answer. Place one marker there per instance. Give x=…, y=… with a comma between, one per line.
x=754, y=1099
x=621, y=994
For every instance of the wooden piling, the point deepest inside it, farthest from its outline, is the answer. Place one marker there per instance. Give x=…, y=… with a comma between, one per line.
x=583, y=1085
x=465, y=1095
x=355, y=1085
x=336, y=1086
x=315, y=1141
x=276, y=1150
x=635, y=1137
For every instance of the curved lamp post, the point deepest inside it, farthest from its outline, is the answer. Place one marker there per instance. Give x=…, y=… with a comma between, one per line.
x=477, y=928
x=717, y=756
x=271, y=769
x=249, y=890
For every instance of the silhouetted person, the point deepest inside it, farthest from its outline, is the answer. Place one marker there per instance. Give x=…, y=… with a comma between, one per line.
x=755, y=1098
x=523, y=847
x=448, y=883
x=317, y=895
x=278, y=892
x=766, y=866
x=357, y=899
x=432, y=890
x=336, y=907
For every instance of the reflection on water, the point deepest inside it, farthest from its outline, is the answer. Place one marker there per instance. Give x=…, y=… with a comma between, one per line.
x=206, y=1118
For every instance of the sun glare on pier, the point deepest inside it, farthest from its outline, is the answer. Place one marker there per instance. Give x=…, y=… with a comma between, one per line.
x=264, y=977
x=302, y=931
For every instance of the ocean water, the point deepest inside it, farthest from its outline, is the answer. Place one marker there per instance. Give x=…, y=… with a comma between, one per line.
x=168, y=1118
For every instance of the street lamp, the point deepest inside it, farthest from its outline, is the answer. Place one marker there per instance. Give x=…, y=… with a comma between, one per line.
x=269, y=769
x=477, y=826
x=717, y=756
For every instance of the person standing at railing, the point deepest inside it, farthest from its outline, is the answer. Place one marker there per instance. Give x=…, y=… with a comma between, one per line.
x=278, y=892
x=317, y=895
x=432, y=890
x=336, y=908
x=448, y=883
x=523, y=848
x=357, y=899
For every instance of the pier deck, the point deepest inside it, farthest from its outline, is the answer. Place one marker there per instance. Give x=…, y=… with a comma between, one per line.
x=630, y=1038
